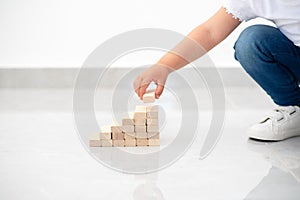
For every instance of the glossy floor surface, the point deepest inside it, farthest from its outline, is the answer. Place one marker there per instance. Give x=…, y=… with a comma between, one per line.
x=42, y=156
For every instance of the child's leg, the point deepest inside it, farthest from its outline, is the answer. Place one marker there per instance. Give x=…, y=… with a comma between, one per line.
x=272, y=60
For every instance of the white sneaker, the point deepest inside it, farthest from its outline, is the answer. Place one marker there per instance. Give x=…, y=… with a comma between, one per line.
x=282, y=123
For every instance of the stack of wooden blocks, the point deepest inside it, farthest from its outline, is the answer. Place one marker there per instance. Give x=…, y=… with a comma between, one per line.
x=140, y=128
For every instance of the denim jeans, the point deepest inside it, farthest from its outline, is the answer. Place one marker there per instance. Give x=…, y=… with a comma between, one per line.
x=272, y=60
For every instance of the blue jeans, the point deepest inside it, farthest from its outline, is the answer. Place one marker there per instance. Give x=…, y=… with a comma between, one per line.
x=272, y=60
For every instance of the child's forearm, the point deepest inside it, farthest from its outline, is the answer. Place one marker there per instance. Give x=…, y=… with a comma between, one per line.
x=195, y=45
x=202, y=39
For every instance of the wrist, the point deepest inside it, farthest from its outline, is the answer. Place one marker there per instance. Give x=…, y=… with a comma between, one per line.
x=165, y=68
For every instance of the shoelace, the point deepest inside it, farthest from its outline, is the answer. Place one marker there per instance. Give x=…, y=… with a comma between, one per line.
x=280, y=113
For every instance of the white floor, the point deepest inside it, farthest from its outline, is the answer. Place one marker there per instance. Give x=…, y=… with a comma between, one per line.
x=41, y=156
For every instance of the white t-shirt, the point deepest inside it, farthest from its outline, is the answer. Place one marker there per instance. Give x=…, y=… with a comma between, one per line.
x=284, y=13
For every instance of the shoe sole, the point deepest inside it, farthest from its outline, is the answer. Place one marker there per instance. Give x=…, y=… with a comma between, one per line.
x=257, y=138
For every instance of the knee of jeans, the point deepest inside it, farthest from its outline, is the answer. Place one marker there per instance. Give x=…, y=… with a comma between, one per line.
x=250, y=41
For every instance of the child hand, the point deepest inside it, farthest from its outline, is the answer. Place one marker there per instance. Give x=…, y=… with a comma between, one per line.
x=156, y=73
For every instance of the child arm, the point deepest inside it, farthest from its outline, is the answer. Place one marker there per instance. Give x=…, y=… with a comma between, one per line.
x=207, y=35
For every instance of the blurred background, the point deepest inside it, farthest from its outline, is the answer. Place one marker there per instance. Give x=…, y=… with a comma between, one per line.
x=61, y=34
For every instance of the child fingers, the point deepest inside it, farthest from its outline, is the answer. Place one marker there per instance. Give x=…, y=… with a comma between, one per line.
x=136, y=85
x=142, y=90
x=159, y=90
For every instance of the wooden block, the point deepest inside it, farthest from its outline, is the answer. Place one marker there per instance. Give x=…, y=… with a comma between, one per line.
x=140, y=121
x=152, y=128
x=140, y=115
x=141, y=108
x=142, y=142
x=105, y=136
x=152, y=121
x=152, y=115
x=130, y=143
x=152, y=108
x=141, y=135
x=94, y=140
x=152, y=112
x=105, y=132
x=106, y=143
x=154, y=142
x=140, y=128
x=116, y=129
x=129, y=136
x=149, y=96
x=118, y=136
x=140, y=112
x=128, y=119
x=95, y=143
x=118, y=143
x=153, y=135
x=128, y=128
x=114, y=136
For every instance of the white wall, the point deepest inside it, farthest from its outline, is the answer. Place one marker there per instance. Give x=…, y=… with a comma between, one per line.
x=62, y=33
